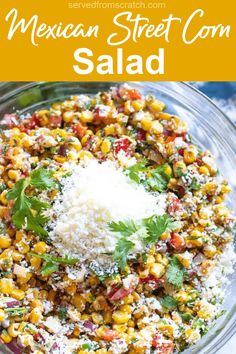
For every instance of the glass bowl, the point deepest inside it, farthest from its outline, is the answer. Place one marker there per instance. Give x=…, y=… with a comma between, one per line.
x=208, y=125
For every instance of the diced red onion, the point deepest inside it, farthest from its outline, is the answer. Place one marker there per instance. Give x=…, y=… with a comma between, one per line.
x=13, y=303
x=15, y=347
x=89, y=326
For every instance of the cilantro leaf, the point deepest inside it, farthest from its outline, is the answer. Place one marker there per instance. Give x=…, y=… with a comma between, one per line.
x=134, y=171
x=169, y=302
x=123, y=247
x=52, y=263
x=194, y=185
x=62, y=313
x=159, y=179
x=42, y=179
x=125, y=228
x=186, y=317
x=26, y=211
x=49, y=258
x=156, y=225
x=49, y=268
x=147, y=230
x=175, y=273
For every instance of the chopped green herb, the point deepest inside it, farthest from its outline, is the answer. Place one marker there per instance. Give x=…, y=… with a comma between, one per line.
x=62, y=313
x=123, y=248
x=194, y=185
x=147, y=230
x=159, y=179
x=156, y=225
x=86, y=346
x=134, y=172
x=169, y=302
x=49, y=268
x=175, y=273
x=53, y=259
x=186, y=317
x=125, y=228
x=52, y=263
x=22, y=209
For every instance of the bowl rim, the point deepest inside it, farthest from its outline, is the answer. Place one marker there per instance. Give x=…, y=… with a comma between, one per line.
x=26, y=85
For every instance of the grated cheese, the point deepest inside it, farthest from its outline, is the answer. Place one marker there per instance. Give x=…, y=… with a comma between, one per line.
x=95, y=194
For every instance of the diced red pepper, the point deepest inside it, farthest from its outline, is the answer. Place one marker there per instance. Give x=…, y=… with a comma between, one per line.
x=199, y=162
x=34, y=121
x=119, y=293
x=156, y=340
x=181, y=152
x=109, y=335
x=177, y=241
x=141, y=135
x=175, y=205
x=130, y=94
x=79, y=130
x=55, y=121
x=162, y=348
x=170, y=139
x=152, y=279
x=122, y=144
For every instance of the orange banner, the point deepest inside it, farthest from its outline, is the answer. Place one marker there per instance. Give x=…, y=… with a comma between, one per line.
x=104, y=40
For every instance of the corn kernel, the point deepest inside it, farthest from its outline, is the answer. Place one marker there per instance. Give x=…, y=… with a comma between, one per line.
x=120, y=317
x=110, y=130
x=12, y=174
x=79, y=302
x=97, y=318
x=35, y=262
x=210, y=251
x=35, y=316
x=204, y=170
x=181, y=296
x=86, y=116
x=3, y=199
x=23, y=247
x=146, y=123
x=156, y=106
x=17, y=256
x=106, y=146
x=128, y=299
x=5, y=337
x=84, y=155
x=18, y=294
x=138, y=105
x=5, y=241
x=157, y=270
x=190, y=154
x=6, y=285
x=156, y=128
x=68, y=116
x=40, y=247
x=13, y=330
x=2, y=315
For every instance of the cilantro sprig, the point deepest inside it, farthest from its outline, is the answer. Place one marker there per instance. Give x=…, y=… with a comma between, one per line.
x=169, y=302
x=27, y=211
x=52, y=263
x=148, y=230
x=156, y=181
x=136, y=171
x=175, y=273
